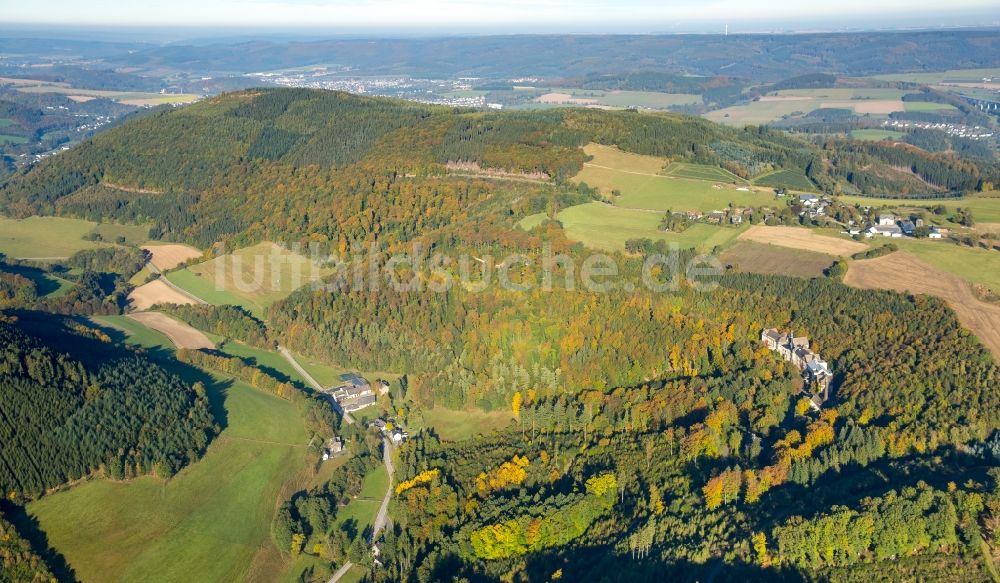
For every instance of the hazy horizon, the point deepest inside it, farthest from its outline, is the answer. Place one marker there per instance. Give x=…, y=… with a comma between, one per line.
x=315, y=18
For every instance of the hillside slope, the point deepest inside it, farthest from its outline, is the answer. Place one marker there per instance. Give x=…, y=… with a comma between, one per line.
x=291, y=164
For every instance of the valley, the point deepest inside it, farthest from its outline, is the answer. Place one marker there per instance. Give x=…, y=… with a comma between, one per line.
x=278, y=261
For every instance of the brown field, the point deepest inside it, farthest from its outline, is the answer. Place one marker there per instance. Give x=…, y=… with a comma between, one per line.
x=751, y=257
x=170, y=256
x=182, y=335
x=81, y=98
x=801, y=238
x=156, y=292
x=902, y=271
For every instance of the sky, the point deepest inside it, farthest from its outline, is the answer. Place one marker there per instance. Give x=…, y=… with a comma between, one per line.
x=504, y=15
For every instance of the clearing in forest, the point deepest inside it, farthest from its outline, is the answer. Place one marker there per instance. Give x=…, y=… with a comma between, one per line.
x=262, y=274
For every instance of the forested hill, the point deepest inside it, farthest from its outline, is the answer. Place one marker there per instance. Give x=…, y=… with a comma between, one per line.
x=71, y=404
x=296, y=163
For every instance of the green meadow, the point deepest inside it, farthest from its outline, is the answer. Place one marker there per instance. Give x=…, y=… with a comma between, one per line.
x=790, y=179
x=607, y=227
x=205, y=524
x=950, y=76
x=985, y=207
x=643, y=186
x=876, y=135
x=206, y=289
x=452, y=425
x=973, y=264
x=58, y=237
x=926, y=106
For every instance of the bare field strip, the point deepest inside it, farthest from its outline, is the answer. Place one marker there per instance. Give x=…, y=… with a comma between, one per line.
x=170, y=256
x=752, y=257
x=801, y=238
x=182, y=335
x=902, y=271
x=156, y=292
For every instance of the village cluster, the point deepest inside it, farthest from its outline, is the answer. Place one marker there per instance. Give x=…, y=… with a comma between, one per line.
x=354, y=394
x=952, y=129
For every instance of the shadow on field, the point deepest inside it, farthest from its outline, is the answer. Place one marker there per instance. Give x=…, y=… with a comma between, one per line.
x=29, y=528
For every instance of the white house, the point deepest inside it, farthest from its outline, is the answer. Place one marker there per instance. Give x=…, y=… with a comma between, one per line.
x=886, y=220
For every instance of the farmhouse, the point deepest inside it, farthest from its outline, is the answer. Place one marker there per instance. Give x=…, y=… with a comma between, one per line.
x=885, y=231
x=809, y=199
x=795, y=349
x=887, y=220
x=333, y=447
x=355, y=394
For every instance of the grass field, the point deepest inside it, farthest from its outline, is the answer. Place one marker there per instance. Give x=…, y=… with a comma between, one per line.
x=972, y=264
x=617, y=99
x=330, y=375
x=752, y=257
x=205, y=524
x=790, y=179
x=46, y=284
x=876, y=135
x=926, y=106
x=128, y=97
x=134, y=234
x=606, y=227
x=208, y=291
x=261, y=274
x=612, y=157
x=952, y=76
x=702, y=172
x=985, y=207
x=360, y=512
x=458, y=425
x=800, y=101
x=135, y=333
x=904, y=270
x=641, y=185
x=531, y=221
x=44, y=236
x=9, y=139
x=266, y=359
x=54, y=237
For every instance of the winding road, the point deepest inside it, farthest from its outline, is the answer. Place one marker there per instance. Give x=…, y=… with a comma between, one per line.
x=382, y=517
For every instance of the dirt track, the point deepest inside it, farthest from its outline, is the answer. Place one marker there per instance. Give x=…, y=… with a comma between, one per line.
x=182, y=335
x=169, y=256
x=801, y=238
x=902, y=271
x=156, y=292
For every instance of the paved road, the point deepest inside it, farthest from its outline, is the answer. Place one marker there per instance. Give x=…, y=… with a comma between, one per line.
x=383, y=511
x=315, y=384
